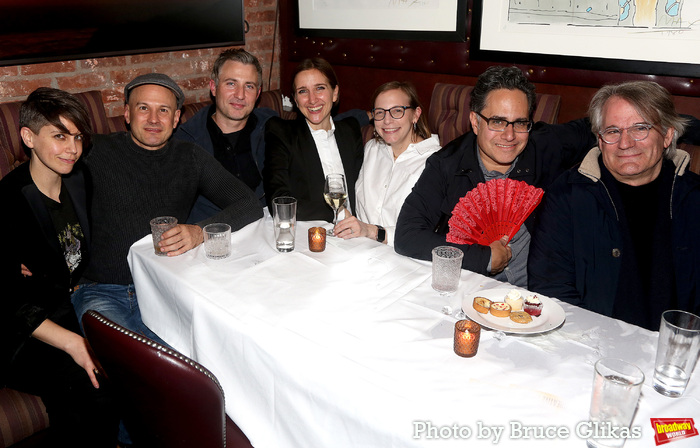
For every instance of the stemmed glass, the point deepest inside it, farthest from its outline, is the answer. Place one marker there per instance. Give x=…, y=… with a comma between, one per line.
x=335, y=191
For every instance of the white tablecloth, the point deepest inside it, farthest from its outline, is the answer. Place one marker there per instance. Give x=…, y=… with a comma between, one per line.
x=350, y=348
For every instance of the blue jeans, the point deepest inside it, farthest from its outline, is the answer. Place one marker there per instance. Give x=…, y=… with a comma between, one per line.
x=117, y=303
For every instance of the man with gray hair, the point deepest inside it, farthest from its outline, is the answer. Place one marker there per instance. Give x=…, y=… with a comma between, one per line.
x=618, y=234
x=232, y=129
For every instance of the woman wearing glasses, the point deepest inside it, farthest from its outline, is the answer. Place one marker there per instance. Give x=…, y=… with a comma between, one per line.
x=394, y=160
x=618, y=234
x=299, y=154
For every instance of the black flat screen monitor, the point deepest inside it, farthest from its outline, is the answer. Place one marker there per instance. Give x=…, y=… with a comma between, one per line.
x=49, y=30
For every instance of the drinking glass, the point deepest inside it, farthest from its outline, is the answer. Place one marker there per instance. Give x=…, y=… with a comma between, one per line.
x=284, y=220
x=617, y=385
x=159, y=226
x=335, y=191
x=217, y=240
x=677, y=352
x=447, y=268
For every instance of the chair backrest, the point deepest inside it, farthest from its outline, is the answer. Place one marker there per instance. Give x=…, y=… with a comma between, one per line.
x=273, y=100
x=170, y=400
x=448, y=116
x=11, y=151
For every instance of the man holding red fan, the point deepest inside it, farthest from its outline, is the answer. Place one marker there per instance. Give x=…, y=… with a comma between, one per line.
x=503, y=143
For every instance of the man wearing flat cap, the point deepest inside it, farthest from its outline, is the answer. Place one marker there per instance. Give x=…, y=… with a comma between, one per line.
x=142, y=174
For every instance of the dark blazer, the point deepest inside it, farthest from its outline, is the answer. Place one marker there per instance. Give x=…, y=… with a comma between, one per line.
x=293, y=167
x=29, y=238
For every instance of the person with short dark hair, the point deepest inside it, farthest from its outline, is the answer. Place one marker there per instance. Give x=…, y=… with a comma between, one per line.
x=43, y=351
x=142, y=174
x=232, y=129
x=618, y=234
x=503, y=143
x=300, y=153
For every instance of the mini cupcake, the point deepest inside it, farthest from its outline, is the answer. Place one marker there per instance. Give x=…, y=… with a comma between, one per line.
x=533, y=305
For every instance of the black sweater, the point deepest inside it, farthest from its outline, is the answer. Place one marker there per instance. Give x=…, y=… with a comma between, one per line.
x=131, y=185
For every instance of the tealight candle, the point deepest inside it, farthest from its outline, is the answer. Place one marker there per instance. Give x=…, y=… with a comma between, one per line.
x=467, y=335
x=317, y=239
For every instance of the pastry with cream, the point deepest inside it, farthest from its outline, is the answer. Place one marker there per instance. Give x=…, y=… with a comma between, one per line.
x=514, y=299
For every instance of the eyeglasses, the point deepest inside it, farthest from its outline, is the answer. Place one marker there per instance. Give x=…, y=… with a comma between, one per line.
x=500, y=125
x=637, y=132
x=396, y=112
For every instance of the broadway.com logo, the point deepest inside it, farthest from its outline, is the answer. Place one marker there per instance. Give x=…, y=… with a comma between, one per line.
x=671, y=429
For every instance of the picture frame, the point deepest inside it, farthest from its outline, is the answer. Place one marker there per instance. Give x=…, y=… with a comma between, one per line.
x=429, y=20
x=608, y=39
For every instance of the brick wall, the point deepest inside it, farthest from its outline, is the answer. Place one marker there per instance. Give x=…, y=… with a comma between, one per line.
x=189, y=68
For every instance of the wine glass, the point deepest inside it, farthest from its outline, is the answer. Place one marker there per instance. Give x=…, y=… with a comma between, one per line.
x=335, y=191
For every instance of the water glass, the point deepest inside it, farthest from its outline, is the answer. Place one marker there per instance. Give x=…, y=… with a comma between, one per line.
x=284, y=210
x=617, y=385
x=217, y=240
x=447, y=268
x=159, y=226
x=677, y=352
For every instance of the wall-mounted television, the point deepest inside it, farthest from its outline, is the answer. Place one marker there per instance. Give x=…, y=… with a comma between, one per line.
x=48, y=30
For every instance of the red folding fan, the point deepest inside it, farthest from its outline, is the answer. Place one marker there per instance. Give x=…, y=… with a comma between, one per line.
x=492, y=210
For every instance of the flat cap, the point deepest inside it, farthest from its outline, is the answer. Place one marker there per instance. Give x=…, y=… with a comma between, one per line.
x=158, y=79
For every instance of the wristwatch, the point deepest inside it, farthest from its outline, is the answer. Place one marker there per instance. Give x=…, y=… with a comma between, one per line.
x=381, y=233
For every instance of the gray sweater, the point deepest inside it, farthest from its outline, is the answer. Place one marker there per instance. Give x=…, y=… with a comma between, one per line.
x=131, y=185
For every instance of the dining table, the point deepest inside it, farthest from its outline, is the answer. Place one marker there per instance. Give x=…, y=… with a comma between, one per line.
x=352, y=347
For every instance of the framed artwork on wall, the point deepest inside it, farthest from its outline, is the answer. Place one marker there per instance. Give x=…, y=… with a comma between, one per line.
x=430, y=20
x=657, y=37
x=47, y=30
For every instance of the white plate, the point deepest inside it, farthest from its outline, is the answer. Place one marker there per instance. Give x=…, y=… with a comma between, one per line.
x=552, y=313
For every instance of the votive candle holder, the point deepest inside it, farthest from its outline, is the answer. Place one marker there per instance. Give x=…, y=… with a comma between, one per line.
x=467, y=334
x=317, y=239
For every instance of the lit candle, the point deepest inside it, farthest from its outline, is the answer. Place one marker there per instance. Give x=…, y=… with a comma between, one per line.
x=317, y=239
x=466, y=341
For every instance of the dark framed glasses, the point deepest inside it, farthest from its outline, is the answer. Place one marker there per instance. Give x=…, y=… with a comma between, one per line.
x=500, y=125
x=396, y=112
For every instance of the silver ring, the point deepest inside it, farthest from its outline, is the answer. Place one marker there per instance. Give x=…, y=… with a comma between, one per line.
x=352, y=231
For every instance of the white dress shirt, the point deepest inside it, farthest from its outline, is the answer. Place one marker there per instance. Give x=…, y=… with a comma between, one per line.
x=329, y=153
x=384, y=183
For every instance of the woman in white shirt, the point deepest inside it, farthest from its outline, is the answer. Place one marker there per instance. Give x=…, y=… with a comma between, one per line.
x=394, y=160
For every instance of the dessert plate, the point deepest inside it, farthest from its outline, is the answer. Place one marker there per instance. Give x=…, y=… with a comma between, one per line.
x=552, y=313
